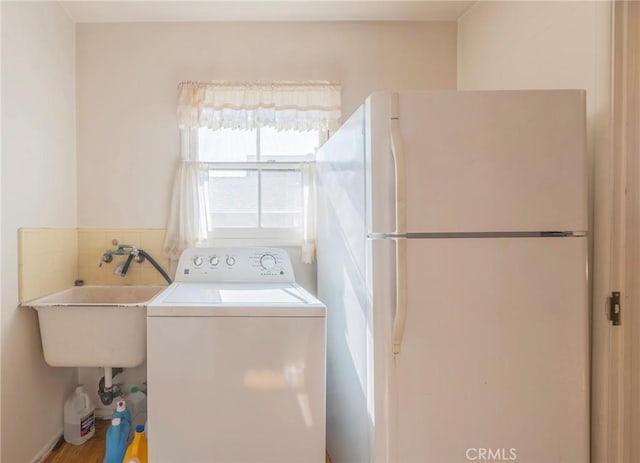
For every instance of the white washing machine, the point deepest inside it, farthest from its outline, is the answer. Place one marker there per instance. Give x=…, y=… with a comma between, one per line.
x=236, y=362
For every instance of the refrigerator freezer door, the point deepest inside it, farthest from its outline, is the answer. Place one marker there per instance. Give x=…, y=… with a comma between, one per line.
x=494, y=356
x=481, y=161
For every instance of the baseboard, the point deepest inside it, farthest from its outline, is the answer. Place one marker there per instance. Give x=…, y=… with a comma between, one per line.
x=42, y=455
x=104, y=413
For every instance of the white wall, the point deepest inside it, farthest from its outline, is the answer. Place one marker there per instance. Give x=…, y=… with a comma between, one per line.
x=507, y=45
x=38, y=190
x=127, y=76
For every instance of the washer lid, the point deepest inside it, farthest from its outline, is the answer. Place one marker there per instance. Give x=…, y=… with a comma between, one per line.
x=234, y=294
x=235, y=299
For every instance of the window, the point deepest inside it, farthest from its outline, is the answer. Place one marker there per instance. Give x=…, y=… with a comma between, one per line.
x=255, y=180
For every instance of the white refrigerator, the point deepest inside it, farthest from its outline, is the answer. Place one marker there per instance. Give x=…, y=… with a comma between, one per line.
x=452, y=257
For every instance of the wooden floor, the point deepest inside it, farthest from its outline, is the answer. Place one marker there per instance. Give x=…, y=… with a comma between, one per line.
x=91, y=451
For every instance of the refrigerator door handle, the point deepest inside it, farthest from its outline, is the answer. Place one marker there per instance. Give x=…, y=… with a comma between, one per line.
x=397, y=152
x=400, y=223
x=401, y=293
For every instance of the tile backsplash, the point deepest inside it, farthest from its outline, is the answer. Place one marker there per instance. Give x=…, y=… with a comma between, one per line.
x=47, y=261
x=53, y=259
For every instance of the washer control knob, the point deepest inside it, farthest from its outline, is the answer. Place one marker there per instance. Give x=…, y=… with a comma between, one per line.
x=230, y=261
x=198, y=261
x=267, y=261
x=213, y=260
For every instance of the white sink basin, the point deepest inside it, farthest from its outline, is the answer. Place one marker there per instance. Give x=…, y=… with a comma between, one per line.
x=95, y=326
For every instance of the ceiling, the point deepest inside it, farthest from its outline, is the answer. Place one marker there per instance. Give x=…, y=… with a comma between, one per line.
x=264, y=10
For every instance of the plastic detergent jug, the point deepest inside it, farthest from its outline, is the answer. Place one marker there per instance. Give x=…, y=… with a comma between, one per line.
x=79, y=417
x=137, y=405
x=116, y=442
x=123, y=414
x=137, y=451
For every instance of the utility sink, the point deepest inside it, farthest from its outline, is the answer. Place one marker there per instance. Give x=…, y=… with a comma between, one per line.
x=95, y=326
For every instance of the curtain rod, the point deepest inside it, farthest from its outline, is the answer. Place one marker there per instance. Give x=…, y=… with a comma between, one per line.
x=317, y=83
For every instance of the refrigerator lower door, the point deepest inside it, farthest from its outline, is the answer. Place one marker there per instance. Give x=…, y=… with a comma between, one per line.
x=494, y=360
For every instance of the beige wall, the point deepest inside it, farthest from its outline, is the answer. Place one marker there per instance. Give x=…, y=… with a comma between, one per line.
x=507, y=45
x=127, y=76
x=38, y=190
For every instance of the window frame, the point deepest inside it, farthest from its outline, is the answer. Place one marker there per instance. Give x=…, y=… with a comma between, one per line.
x=280, y=235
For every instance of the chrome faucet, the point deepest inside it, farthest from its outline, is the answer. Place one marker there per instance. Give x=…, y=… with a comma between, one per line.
x=132, y=253
x=123, y=250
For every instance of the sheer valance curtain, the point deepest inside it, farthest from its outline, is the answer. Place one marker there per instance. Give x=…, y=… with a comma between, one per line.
x=242, y=105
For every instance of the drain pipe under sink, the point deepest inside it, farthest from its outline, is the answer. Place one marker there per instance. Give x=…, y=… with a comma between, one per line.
x=108, y=377
x=106, y=389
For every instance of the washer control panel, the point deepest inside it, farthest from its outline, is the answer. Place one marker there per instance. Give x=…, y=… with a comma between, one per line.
x=250, y=264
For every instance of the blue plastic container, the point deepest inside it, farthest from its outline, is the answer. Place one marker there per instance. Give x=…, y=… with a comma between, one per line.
x=123, y=413
x=117, y=440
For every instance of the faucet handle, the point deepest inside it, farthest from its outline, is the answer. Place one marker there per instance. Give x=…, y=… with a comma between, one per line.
x=118, y=269
x=106, y=258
